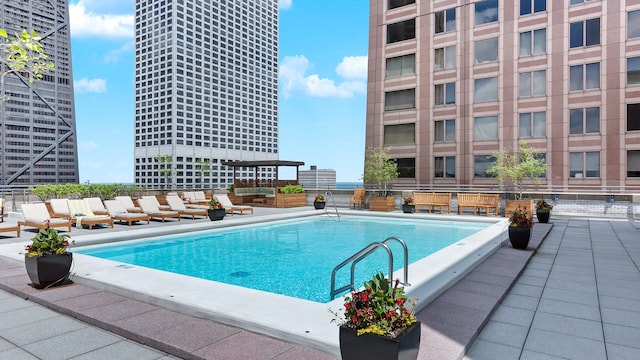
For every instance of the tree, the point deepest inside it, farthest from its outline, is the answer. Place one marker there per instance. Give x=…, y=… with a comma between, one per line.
x=23, y=53
x=203, y=168
x=379, y=168
x=165, y=167
x=515, y=168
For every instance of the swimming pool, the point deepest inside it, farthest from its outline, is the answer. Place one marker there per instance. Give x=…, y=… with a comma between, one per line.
x=292, y=258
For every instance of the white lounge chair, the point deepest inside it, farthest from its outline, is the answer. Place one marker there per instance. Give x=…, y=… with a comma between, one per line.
x=82, y=214
x=177, y=205
x=60, y=208
x=128, y=203
x=37, y=215
x=150, y=208
x=97, y=207
x=155, y=200
x=229, y=207
x=118, y=211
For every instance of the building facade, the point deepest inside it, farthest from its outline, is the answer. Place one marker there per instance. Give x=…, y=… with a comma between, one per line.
x=38, y=141
x=314, y=178
x=206, y=90
x=453, y=81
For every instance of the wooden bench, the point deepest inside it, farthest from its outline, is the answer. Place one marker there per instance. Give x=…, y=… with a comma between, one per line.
x=478, y=202
x=432, y=200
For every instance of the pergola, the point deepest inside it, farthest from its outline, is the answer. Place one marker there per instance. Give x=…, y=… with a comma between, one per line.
x=262, y=163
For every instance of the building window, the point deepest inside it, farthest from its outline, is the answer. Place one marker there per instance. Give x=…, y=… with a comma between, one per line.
x=398, y=3
x=633, y=163
x=633, y=117
x=445, y=21
x=532, y=6
x=633, y=70
x=486, y=89
x=445, y=94
x=481, y=163
x=445, y=58
x=486, y=12
x=400, y=134
x=584, y=164
x=584, y=33
x=401, y=66
x=403, y=30
x=633, y=24
x=532, y=124
x=584, y=77
x=533, y=42
x=485, y=128
x=445, y=167
x=584, y=121
x=486, y=50
x=401, y=99
x=445, y=131
x=533, y=84
x=543, y=157
x=406, y=168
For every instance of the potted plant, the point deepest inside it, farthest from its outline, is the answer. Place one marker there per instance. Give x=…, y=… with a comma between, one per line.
x=47, y=260
x=378, y=324
x=520, y=224
x=380, y=169
x=408, y=205
x=216, y=210
x=318, y=202
x=291, y=195
x=543, y=211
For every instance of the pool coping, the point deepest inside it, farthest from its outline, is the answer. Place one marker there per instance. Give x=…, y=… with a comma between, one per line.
x=316, y=331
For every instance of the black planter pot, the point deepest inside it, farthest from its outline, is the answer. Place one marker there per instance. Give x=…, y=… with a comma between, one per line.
x=369, y=346
x=216, y=214
x=519, y=237
x=49, y=270
x=543, y=216
x=318, y=205
x=408, y=209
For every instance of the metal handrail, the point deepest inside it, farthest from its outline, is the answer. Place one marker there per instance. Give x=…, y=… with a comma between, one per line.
x=360, y=255
x=328, y=195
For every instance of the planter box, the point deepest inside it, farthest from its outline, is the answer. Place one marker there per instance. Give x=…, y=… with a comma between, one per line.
x=369, y=346
x=48, y=270
x=291, y=200
x=382, y=203
x=512, y=205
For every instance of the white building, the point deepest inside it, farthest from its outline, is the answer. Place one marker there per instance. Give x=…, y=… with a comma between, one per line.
x=206, y=90
x=315, y=178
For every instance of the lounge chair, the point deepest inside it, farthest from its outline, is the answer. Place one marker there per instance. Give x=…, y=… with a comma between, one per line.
x=2, y=214
x=128, y=203
x=229, y=207
x=155, y=200
x=96, y=205
x=150, y=208
x=118, y=211
x=81, y=213
x=195, y=197
x=357, y=198
x=177, y=205
x=37, y=215
x=60, y=208
x=6, y=227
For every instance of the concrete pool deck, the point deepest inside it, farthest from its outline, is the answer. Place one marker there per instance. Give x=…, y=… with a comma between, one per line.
x=450, y=323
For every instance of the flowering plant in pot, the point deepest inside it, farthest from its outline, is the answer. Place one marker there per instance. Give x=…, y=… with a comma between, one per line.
x=543, y=211
x=408, y=205
x=379, y=322
x=520, y=224
x=319, y=201
x=216, y=210
x=47, y=260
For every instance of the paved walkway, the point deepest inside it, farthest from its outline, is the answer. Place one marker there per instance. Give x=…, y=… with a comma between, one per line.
x=578, y=298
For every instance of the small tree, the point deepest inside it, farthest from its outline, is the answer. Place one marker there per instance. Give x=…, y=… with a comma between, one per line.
x=203, y=168
x=515, y=168
x=164, y=167
x=379, y=168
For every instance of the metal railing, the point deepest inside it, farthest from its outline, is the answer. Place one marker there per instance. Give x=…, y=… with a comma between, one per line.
x=329, y=195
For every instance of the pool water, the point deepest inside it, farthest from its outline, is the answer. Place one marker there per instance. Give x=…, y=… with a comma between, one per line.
x=293, y=258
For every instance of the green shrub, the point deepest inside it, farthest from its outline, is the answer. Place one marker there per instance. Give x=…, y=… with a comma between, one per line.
x=292, y=189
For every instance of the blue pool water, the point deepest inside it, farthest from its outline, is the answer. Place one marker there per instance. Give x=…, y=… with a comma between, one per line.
x=293, y=258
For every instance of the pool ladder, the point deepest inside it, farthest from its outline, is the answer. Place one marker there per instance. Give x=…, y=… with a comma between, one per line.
x=328, y=195
x=366, y=251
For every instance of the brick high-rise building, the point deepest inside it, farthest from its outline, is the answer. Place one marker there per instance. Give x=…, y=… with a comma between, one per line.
x=37, y=120
x=453, y=81
x=206, y=90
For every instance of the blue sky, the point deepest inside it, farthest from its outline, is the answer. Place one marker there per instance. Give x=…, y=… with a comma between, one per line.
x=322, y=72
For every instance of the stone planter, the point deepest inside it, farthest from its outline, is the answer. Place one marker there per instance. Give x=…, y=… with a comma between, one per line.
x=543, y=216
x=319, y=205
x=216, y=214
x=48, y=270
x=519, y=237
x=369, y=346
x=408, y=209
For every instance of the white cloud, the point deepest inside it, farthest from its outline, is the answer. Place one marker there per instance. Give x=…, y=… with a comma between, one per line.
x=85, y=85
x=284, y=4
x=89, y=146
x=86, y=23
x=293, y=78
x=113, y=56
x=353, y=67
